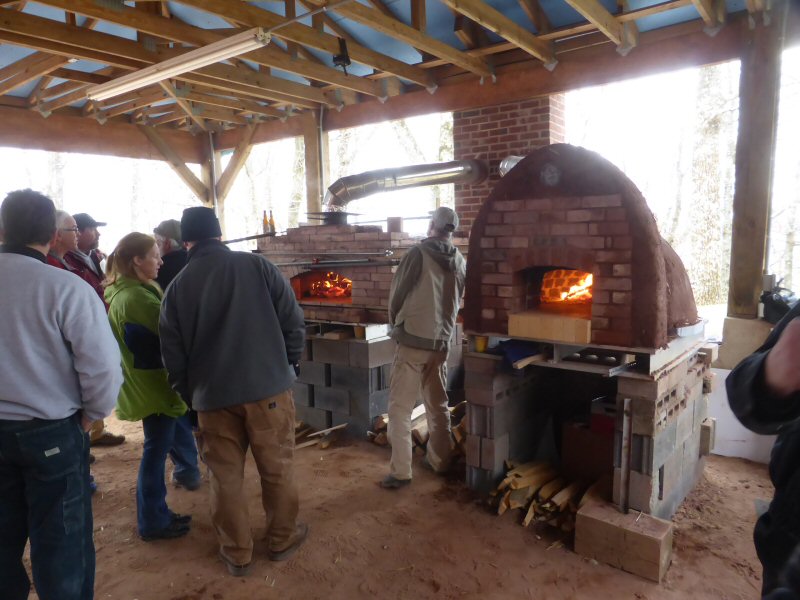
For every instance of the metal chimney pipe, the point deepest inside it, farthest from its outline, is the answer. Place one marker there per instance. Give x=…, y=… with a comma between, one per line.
x=354, y=187
x=508, y=163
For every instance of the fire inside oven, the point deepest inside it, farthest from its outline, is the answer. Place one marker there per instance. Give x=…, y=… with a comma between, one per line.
x=566, y=291
x=323, y=286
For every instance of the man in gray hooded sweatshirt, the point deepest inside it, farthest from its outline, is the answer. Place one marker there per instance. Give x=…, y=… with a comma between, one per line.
x=423, y=305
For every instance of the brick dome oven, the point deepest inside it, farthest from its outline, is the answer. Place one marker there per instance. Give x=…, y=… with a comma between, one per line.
x=561, y=214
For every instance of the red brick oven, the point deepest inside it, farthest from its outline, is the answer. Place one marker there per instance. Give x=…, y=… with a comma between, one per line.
x=565, y=218
x=564, y=207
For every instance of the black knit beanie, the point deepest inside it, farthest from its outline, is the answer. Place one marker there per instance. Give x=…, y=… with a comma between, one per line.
x=199, y=223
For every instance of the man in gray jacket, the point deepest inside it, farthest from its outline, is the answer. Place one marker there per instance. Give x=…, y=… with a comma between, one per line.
x=423, y=304
x=231, y=331
x=59, y=372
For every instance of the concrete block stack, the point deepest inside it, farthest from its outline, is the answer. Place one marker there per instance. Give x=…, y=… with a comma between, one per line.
x=668, y=410
x=500, y=418
x=344, y=381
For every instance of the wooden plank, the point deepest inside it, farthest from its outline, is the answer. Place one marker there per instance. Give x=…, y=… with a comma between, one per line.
x=595, y=13
x=27, y=129
x=495, y=21
x=759, y=90
x=328, y=430
x=313, y=144
x=47, y=64
x=307, y=36
x=183, y=104
x=177, y=164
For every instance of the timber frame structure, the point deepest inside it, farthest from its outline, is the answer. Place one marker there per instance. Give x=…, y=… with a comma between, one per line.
x=489, y=52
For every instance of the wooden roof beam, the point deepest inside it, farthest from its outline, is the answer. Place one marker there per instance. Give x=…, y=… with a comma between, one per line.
x=177, y=164
x=302, y=34
x=533, y=9
x=495, y=21
x=126, y=107
x=175, y=30
x=411, y=36
x=713, y=13
x=183, y=104
x=595, y=13
x=236, y=104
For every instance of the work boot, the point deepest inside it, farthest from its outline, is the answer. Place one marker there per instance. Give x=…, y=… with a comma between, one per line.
x=108, y=439
x=300, y=534
x=390, y=482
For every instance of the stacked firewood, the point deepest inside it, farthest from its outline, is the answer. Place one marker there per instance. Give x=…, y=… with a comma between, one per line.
x=543, y=496
x=419, y=429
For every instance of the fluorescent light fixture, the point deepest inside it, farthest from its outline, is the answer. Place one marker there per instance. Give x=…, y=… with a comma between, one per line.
x=252, y=39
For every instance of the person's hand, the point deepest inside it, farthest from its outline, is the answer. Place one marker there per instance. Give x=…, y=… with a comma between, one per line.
x=782, y=368
x=86, y=423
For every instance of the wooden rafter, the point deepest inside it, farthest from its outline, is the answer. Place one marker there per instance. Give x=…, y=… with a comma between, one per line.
x=400, y=31
x=537, y=16
x=177, y=31
x=708, y=11
x=127, y=54
x=183, y=104
x=132, y=105
x=45, y=66
x=177, y=164
x=326, y=21
x=419, y=16
x=223, y=115
x=495, y=21
x=170, y=117
x=595, y=13
x=237, y=104
x=256, y=17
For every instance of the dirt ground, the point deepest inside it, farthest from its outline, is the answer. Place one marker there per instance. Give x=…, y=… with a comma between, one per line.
x=431, y=539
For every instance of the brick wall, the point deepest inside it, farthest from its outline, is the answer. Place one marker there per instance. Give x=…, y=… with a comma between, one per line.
x=494, y=132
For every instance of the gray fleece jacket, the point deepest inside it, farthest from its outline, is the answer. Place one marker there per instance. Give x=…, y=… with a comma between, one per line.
x=425, y=294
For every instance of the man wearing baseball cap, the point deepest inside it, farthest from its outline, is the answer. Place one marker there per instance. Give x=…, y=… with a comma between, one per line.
x=424, y=299
x=85, y=261
x=87, y=258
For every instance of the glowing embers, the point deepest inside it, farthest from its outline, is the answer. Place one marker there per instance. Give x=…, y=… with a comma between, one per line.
x=332, y=285
x=567, y=287
x=323, y=286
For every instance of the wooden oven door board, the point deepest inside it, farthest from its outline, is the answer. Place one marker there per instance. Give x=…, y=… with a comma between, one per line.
x=559, y=328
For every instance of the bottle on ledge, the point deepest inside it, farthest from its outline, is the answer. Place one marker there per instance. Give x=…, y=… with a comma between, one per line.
x=265, y=223
x=271, y=222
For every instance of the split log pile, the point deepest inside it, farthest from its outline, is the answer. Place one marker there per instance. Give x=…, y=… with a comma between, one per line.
x=419, y=429
x=543, y=496
x=305, y=436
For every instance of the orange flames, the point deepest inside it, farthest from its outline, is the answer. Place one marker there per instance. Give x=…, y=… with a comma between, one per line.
x=568, y=286
x=581, y=291
x=332, y=285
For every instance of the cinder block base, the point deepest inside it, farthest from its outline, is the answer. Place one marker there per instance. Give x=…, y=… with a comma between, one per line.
x=634, y=542
x=314, y=417
x=303, y=393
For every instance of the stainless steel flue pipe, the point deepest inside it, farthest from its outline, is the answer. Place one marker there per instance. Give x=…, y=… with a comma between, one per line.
x=354, y=187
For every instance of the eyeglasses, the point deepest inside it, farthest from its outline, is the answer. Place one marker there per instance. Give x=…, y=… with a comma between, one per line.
x=73, y=229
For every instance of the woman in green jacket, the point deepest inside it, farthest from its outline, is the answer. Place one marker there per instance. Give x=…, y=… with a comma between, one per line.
x=134, y=300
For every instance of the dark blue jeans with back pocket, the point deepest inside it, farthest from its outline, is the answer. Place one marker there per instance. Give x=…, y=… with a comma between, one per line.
x=45, y=497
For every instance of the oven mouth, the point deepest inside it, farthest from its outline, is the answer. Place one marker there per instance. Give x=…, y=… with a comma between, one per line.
x=322, y=286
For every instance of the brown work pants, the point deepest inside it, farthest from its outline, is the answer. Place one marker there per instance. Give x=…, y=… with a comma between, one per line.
x=418, y=372
x=267, y=427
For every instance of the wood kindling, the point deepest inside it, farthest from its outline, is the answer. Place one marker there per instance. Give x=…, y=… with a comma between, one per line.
x=177, y=164
x=495, y=21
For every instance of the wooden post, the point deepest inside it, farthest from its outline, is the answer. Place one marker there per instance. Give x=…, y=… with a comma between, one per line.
x=313, y=143
x=759, y=89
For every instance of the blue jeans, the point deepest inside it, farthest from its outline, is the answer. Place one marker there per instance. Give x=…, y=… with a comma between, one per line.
x=152, y=512
x=45, y=497
x=184, y=452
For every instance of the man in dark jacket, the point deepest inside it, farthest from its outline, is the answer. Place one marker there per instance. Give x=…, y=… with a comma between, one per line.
x=231, y=329
x=764, y=393
x=423, y=305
